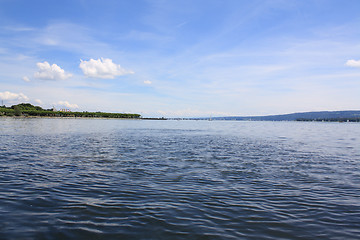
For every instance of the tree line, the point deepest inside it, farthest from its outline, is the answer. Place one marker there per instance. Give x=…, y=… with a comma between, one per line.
x=355, y=119
x=27, y=109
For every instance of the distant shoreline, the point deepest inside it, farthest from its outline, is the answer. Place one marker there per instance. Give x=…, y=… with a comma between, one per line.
x=28, y=110
x=70, y=117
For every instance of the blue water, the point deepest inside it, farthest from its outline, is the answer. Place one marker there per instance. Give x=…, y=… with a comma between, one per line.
x=135, y=179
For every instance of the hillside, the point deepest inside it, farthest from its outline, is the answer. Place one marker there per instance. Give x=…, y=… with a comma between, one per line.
x=305, y=116
x=26, y=109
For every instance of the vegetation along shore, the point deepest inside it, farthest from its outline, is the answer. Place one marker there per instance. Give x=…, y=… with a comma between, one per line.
x=28, y=110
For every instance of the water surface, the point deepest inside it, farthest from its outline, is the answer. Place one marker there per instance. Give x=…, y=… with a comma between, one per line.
x=133, y=179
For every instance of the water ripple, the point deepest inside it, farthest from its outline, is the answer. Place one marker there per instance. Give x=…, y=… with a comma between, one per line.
x=178, y=180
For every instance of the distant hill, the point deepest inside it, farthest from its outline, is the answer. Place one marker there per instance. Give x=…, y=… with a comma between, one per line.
x=27, y=110
x=305, y=116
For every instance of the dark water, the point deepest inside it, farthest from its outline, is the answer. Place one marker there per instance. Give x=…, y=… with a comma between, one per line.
x=118, y=179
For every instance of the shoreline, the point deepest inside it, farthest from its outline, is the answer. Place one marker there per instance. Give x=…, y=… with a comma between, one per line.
x=68, y=117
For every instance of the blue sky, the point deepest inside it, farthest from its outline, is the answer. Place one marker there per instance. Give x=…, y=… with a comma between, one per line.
x=181, y=58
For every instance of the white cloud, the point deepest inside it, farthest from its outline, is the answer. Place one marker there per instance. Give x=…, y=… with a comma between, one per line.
x=66, y=104
x=26, y=79
x=353, y=63
x=147, y=82
x=102, y=68
x=38, y=101
x=51, y=72
x=13, y=96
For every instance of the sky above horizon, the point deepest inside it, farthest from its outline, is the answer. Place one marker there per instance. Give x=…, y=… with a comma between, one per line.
x=181, y=58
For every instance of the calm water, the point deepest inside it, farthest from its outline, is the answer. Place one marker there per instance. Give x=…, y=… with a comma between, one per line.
x=123, y=179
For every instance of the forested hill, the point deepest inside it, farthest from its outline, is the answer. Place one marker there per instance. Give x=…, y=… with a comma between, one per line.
x=305, y=116
x=26, y=109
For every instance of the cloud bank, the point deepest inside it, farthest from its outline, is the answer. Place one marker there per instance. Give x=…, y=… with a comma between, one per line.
x=13, y=96
x=38, y=101
x=147, y=82
x=66, y=104
x=51, y=72
x=26, y=79
x=353, y=63
x=102, y=68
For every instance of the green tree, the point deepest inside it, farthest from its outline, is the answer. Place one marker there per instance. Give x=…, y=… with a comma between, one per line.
x=17, y=111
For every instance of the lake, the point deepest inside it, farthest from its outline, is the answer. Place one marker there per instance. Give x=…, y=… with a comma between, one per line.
x=137, y=179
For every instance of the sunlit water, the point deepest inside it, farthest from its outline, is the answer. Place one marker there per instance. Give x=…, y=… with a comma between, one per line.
x=134, y=179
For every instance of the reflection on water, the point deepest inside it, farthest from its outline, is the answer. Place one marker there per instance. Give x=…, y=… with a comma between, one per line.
x=133, y=179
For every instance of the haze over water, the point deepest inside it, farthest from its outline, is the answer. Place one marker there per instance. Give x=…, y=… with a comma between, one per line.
x=131, y=179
